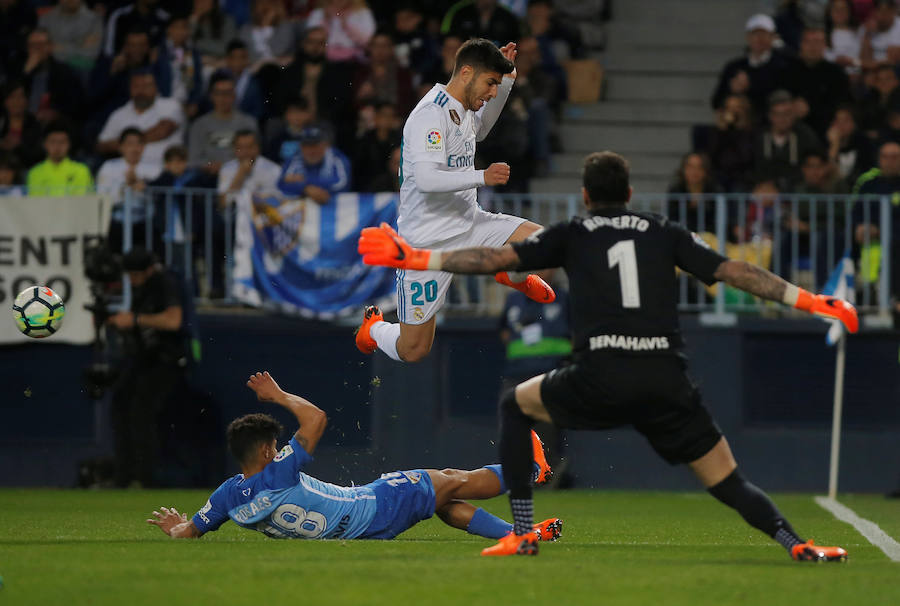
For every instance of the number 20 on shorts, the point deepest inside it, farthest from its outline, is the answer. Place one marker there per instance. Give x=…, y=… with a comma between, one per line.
x=429, y=290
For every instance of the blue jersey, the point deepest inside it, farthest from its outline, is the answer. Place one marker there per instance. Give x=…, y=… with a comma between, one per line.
x=283, y=502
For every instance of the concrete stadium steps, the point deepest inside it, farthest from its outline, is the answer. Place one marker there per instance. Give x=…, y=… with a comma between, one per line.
x=648, y=184
x=660, y=165
x=683, y=12
x=649, y=112
x=671, y=59
x=629, y=86
x=661, y=31
x=650, y=172
x=625, y=138
x=661, y=63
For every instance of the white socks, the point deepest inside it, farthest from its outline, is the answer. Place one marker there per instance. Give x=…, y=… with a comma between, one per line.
x=386, y=335
x=517, y=276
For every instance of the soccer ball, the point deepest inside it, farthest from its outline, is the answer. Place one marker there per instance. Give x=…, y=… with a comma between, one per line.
x=38, y=312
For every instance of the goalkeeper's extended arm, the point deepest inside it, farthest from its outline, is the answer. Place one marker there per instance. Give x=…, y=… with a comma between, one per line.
x=764, y=284
x=384, y=246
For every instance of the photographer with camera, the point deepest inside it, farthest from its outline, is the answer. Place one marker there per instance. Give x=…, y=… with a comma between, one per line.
x=153, y=366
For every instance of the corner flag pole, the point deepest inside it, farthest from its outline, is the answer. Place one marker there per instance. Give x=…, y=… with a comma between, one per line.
x=840, y=285
x=836, y=415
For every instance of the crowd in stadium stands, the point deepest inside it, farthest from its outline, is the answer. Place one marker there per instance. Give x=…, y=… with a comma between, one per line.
x=808, y=106
x=811, y=107
x=303, y=95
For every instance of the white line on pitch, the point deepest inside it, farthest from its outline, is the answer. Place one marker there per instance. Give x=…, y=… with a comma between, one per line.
x=875, y=535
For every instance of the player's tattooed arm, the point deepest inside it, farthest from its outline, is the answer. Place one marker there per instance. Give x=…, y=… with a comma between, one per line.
x=753, y=279
x=480, y=260
x=311, y=418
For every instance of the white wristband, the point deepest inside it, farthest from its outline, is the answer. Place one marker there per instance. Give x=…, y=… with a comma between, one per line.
x=434, y=261
x=791, y=295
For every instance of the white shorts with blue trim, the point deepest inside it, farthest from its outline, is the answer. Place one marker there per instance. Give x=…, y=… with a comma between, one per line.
x=420, y=294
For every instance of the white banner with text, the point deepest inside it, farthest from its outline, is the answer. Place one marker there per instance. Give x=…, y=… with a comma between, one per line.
x=42, y=242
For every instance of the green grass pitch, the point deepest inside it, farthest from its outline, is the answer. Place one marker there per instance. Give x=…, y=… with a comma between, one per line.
x=69, y=548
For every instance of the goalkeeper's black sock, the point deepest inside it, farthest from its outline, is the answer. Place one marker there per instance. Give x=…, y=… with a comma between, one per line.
x=517, y=461
x=756, y=508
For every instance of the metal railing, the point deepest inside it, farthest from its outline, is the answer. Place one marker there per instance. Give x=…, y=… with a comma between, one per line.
x=187, y=228
x=800, y=237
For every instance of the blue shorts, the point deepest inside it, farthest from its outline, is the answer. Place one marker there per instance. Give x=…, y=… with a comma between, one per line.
x=402, y=500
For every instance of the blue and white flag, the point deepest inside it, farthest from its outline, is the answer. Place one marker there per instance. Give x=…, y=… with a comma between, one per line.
x=301, y=257
x=840, y=285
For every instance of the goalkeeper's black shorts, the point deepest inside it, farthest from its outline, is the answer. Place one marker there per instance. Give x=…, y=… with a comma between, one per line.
x=602, y=390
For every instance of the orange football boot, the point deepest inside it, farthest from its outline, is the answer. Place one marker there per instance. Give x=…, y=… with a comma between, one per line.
x=513, y=544
x=808, y=552
x=364, y=342
x=549, y=530
x=542, y=473
x=533, y=287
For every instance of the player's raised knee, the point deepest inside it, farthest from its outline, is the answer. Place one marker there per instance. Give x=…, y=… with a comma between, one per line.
x=414, y=351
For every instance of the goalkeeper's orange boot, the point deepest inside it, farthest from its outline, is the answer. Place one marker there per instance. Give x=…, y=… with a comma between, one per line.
x=513, y=544
x=549, y=530
x=808, y=552
x=542, y=472
x=364, y=341
x=533, y=287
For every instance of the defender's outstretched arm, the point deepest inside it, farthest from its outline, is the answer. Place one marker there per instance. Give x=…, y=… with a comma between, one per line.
x=311, y=418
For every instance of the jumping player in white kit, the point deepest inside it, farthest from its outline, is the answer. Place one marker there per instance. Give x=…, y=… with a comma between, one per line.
x=438, y=196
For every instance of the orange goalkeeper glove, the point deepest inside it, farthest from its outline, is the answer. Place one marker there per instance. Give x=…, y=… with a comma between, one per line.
x=827, y=307
x=384, y=246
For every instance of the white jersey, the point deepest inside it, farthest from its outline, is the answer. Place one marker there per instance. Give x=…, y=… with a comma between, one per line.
x=441, y=131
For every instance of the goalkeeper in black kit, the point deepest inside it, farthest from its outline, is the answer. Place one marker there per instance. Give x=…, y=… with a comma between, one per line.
x=628, y=368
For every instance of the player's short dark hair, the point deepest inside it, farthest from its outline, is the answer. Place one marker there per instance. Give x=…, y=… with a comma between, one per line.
x=175, y=151
x=246, y=433
x=605, y=177
x=132, y=130
x=483, y=56
x=234, y=45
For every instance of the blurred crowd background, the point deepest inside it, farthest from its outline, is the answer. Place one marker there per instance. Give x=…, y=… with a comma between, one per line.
x=153, y=92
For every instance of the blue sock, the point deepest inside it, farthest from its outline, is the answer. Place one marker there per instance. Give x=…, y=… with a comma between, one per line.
x=499, y=472
x=488, y=525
